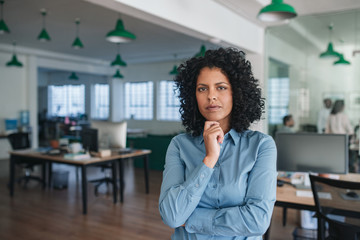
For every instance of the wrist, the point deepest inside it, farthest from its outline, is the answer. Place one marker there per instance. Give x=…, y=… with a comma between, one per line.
x=210, y=161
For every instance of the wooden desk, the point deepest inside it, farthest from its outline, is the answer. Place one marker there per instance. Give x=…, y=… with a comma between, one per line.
x=286, y=197
x=30, y=155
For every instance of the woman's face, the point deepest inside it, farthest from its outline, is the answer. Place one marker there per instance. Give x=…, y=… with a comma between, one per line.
x=214, y=96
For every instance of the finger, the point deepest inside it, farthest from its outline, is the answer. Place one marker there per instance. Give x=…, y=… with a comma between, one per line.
x=209, y=124
x=220, y=137
x=216, y=132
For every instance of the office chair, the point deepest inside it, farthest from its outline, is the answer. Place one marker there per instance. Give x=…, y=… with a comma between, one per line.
x=89, y=138
x=337, y=204
x=20, y=141
x=100, y=181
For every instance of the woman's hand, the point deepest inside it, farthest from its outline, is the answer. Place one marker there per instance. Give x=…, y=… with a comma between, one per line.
x=213, y=135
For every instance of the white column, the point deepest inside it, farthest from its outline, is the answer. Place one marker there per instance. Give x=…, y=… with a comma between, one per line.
x=32, y=98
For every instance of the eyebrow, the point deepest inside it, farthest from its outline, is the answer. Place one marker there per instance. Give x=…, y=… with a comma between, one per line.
x=219, y=83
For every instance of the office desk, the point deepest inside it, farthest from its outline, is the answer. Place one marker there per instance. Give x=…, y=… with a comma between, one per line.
x=29, y=155
x=286, y=197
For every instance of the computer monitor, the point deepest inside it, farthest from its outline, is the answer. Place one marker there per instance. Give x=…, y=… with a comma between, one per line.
x=111, y=134
x=89, y=139
x=312, y=152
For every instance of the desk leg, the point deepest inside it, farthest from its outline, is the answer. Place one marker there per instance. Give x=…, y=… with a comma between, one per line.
x=284, y=216
x=114, y=180
x=43, y=173
x=84, y=189
x=12, y=175
x=121, y=176
x=49, y=174
x=146, y=169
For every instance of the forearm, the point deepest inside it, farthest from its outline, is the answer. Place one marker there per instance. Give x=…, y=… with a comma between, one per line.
x=251, y=219
x=177, y=202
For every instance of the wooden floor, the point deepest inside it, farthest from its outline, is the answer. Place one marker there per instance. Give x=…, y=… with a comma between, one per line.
x=34, y=213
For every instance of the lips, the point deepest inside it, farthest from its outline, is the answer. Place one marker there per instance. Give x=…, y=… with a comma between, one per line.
x=212, y=108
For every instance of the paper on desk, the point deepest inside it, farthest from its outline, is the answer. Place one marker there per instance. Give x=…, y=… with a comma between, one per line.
x=322, y=195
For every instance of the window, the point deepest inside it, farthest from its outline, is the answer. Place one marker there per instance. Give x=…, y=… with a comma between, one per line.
x=168, y=103
x=101, y=108
x=139, y=100
x=278, y=94
x=66, y=100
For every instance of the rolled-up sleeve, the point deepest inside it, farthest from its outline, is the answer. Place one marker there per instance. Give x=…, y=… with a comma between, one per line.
x=252, y=218
x=179, y=196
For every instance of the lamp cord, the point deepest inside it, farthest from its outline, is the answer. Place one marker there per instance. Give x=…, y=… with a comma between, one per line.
x=77, y=21
x=356, y=28
x=2, y=3
x=43, y=15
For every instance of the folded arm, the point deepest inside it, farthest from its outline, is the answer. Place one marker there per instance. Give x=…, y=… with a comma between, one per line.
x=179, y=196
x=254, y=216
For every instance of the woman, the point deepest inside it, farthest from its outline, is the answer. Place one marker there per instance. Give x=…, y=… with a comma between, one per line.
x=219, y=180
x=338, y=122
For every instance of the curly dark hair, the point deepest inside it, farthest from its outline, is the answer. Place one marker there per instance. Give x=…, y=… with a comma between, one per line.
x=248, y=104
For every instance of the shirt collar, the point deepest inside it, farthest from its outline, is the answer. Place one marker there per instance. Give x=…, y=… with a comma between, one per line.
x=233, y=135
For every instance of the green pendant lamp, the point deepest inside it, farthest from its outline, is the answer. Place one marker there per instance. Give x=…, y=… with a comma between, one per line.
x=118, y=74
x=44, y=36
x=14, y=62
x=118, y=61
x=73, y=76
x=174, y=71
x=77, y=44
x=3, y=27
x=330, y=52
x=119, y=34
x=276, y=11
x=202, y=51
x=342, y=60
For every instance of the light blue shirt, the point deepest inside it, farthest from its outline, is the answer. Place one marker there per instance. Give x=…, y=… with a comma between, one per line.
x=234, y=200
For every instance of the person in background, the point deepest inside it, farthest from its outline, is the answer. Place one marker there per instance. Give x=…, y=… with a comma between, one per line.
x=219, y=180
x=323, y=115
x=288, y=125
x=338, y=122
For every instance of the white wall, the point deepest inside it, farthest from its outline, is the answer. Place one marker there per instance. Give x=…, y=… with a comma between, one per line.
x=13, y=90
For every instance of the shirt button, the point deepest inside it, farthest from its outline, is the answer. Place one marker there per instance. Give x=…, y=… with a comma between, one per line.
x=202, y=175
x=197, y=185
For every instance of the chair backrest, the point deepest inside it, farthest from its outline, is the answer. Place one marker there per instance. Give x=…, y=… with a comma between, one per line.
x=19, y=140
x=337, y=203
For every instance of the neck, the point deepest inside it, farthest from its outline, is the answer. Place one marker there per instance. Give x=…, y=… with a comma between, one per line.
x=225, y=127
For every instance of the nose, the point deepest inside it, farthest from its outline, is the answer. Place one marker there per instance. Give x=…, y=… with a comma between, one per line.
x=212, y=95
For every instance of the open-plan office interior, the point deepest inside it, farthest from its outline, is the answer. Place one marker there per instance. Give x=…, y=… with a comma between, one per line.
x=68, y=72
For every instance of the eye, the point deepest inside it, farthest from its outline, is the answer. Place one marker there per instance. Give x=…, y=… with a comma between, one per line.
x=222, y=88
x=201, y=89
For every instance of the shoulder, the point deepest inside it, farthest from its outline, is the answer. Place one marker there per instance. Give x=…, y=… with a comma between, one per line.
x=184, y=138
x=254, y=134
x=255, y=137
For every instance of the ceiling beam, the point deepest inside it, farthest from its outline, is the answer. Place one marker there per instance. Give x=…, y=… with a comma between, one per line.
x=201, y=19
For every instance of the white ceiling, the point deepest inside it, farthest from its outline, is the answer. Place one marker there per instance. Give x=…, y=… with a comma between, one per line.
x=155, y=43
